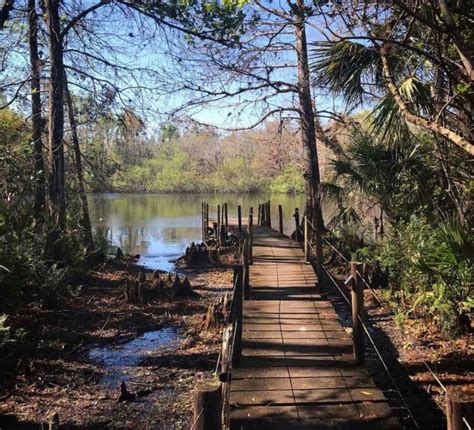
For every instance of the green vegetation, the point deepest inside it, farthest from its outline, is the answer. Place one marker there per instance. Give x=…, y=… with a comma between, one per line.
x=195, y=162
x=424, y=254
x=431, y=270
x=408, y=164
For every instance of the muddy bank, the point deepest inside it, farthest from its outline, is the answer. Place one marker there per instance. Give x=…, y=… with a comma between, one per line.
x=76, y=355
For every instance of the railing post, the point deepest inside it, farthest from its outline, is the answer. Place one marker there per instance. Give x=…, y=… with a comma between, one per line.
x=250, y=230
x=245, y=264
x=207, y=405
x=459, y=406
x=357, y=300
x=236, y=313
x=280, y=219
x=259, y=215
x=239, y=217
x=306, y=239
x=297, y=223
x=225, y=357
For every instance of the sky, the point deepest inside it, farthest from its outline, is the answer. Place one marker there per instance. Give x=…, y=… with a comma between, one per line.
x=172, y=59
x=153, y=88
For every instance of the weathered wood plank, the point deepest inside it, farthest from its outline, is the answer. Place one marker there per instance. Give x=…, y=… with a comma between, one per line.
x=297, y=368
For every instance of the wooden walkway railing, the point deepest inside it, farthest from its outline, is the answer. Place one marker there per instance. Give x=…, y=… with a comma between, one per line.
x=286, y=361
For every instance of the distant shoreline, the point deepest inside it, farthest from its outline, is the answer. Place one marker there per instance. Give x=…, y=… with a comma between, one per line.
x=204, y=193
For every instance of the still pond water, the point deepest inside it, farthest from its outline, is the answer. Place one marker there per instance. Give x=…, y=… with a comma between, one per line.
x=159, y=227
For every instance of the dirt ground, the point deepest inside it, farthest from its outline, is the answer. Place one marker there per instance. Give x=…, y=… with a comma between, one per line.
x=59, y=376
x=408, y=350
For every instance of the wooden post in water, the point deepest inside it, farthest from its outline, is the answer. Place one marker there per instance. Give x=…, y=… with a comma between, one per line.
x=459, y=409
x=236, y=312
x=239, y=217
x=250, y=230
x=218, y=232
x=280, y=219
x=202, y=222
x=307, y=238
x=269, y=214
x=357, y=300
x=297, y=224
x=207, y=405
x=206, y=219
x=226, y=219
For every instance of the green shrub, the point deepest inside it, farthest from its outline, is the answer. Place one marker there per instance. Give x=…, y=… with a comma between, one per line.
x=25, y=273
x=102, y=244
x=290, y=180
x=11, y=341
x=431, y=269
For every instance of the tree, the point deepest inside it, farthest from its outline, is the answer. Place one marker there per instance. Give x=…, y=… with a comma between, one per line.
x=57, y=189
x=413, y=56
x=86, y=222
x=58, y=91
x=36, y=110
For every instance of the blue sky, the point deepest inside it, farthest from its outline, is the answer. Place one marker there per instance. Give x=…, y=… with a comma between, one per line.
x=141, y=45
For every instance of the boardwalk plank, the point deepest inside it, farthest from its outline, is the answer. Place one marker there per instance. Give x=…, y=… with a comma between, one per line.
x=297, y=370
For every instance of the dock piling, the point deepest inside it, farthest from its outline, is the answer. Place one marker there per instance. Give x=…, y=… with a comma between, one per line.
x=239, y=217
x=297, y=224
x=280, y=218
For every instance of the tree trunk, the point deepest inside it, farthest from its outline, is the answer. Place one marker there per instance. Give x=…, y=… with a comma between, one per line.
x=86, y=221
x=56, y=197
x=308, y=131
x=36, y=115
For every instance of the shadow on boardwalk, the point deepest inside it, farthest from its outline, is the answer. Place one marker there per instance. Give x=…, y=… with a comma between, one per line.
x=296, y=369
x=425, y=410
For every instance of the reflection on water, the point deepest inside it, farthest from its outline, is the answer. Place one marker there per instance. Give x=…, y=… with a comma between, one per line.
x=159, y=227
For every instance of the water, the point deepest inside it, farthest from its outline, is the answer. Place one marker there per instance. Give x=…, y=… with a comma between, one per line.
x=119, y=358
x=159, y=227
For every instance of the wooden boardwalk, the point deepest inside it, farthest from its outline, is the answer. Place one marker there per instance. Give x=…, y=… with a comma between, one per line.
x=296, y=370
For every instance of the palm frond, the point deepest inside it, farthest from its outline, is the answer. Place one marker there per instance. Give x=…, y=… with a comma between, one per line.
x=343, y=66
x=387, y=121
x=332, y=193
x=417, y=94
x=346, y=216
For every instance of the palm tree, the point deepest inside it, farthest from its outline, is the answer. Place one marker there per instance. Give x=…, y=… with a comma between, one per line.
x=381, y=172
x=410, y=91
x=381, y=60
